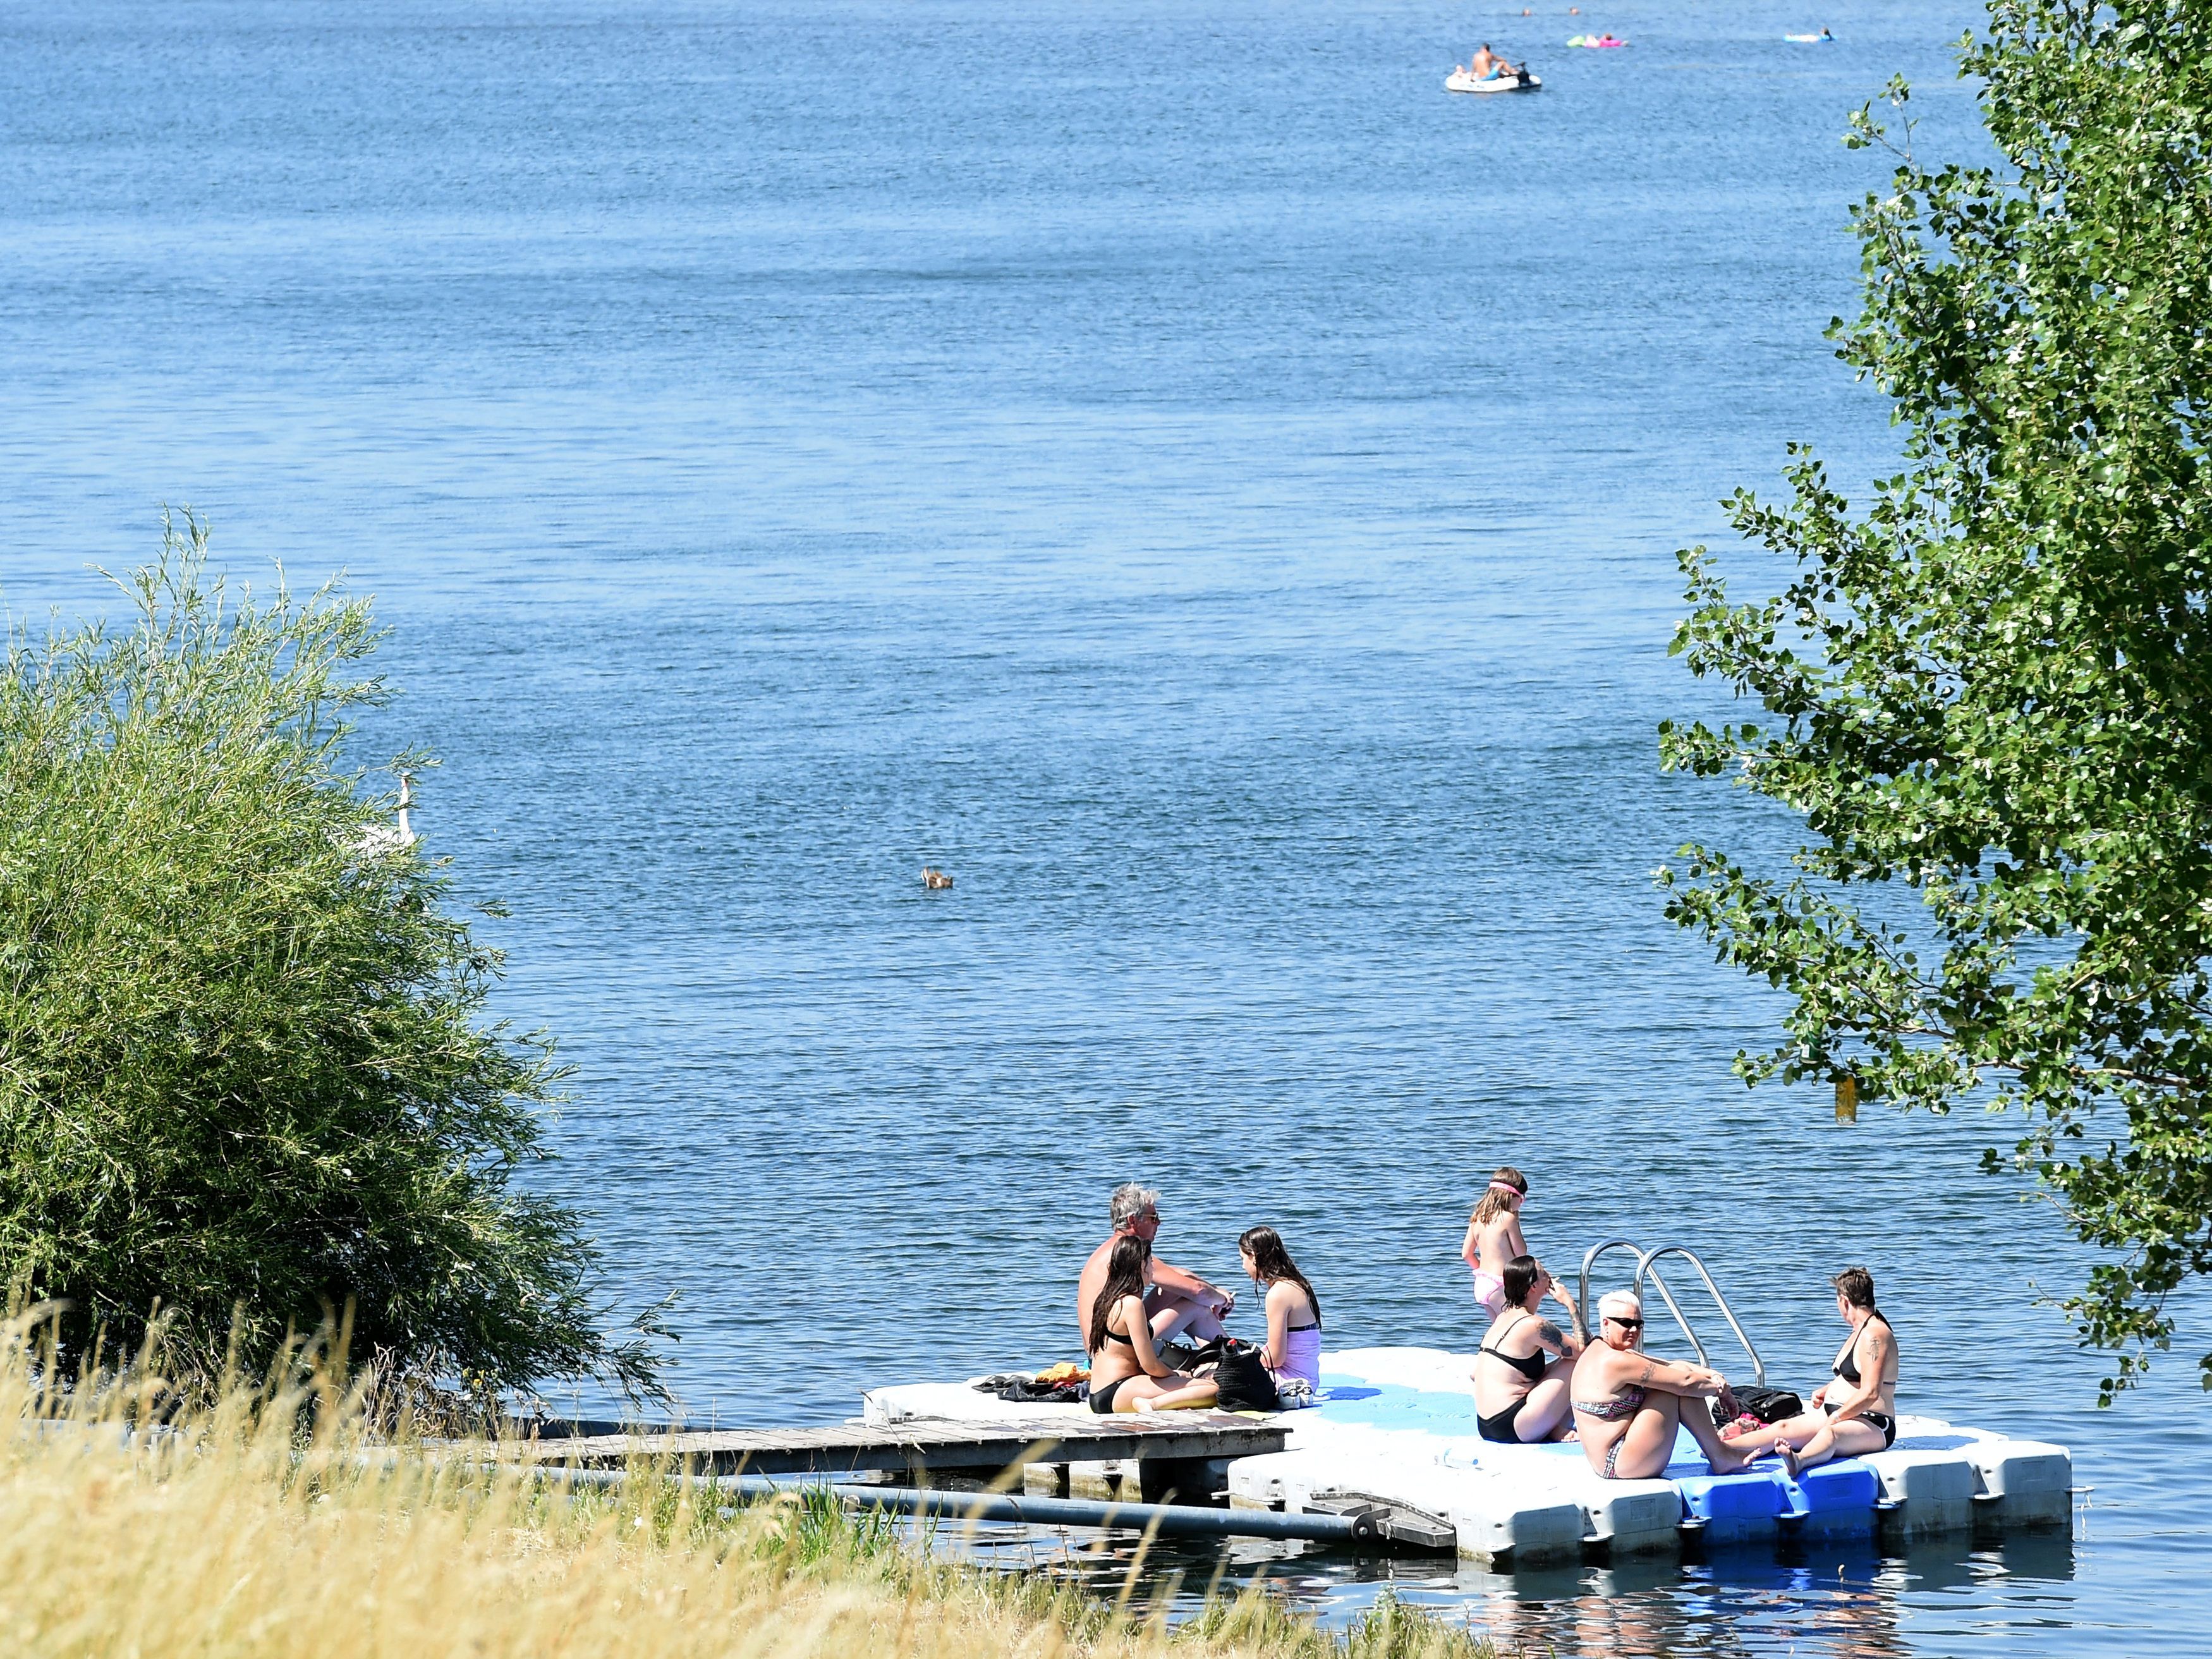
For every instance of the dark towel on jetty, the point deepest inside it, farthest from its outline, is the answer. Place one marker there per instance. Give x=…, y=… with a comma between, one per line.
x=1028, y=1391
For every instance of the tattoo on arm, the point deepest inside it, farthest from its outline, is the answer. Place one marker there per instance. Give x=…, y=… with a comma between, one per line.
x=1547, y=1334
x=1649, y=1367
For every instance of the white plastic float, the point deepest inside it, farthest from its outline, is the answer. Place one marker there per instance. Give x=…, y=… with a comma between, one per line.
x=1399, y=1424
x=1461, y=80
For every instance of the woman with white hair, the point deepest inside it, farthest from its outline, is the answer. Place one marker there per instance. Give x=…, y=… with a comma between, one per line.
x=1628, y=1405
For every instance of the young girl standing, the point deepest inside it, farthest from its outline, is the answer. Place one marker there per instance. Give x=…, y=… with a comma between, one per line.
x=1493, y=1237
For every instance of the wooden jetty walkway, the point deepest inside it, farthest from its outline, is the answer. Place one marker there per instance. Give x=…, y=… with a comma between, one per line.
x=925, y=1446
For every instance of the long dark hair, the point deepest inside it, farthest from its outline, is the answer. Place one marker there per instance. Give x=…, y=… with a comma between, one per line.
x=1125, y=1276
x=1265, y=1246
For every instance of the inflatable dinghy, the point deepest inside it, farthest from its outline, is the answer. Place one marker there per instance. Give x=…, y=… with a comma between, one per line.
x=1521, y=81
x=1596, y=42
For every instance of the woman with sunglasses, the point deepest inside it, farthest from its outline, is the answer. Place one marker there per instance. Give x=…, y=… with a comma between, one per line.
x=1628, y=1405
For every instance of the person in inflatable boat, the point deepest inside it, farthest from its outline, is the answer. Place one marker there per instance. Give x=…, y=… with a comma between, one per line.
x=1855, y=1411
x=1628, y=1405
x=1177, y=1303
x=1486, y=64
x=1126, y=1372
x=1525, y=1363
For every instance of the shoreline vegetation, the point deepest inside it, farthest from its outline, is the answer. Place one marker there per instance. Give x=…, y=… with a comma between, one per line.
x=274, y=1520
x=246, y=1076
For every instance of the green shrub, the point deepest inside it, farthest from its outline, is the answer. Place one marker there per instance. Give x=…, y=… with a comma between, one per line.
x=241, y=1072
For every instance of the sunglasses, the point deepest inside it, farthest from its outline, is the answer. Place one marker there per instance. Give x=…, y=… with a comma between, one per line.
x=1626, y=1324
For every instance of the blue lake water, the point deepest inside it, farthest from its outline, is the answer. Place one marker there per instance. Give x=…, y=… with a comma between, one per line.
x=1175, y=468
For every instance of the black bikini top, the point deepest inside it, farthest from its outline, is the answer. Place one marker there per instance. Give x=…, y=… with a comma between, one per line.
x=1848, y=1366
x=1529, y=1366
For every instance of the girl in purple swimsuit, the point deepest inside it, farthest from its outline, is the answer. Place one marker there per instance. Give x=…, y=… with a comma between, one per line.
x=1293, y=1350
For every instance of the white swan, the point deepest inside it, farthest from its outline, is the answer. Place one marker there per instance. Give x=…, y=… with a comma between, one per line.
x=377, y=841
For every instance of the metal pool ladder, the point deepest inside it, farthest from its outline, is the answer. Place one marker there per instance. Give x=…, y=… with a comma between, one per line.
x=1645, y=1269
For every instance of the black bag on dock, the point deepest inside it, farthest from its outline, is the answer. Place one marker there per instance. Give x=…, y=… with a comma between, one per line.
x=1767, y=1405
x=1244, y=1381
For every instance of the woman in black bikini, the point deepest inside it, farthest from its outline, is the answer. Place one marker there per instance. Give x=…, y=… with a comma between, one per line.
x=1126, y=1373
x=1522, y=1373
x=1855, y=1412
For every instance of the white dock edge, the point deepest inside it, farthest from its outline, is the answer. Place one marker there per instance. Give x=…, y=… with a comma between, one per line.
x=1497, y=1528
x=2024, y=1483
x=1935, y=1489
x=1497, y=1522
x=1630, y=1517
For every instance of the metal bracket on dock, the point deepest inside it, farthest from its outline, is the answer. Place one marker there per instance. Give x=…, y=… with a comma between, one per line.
x=1398, y=1523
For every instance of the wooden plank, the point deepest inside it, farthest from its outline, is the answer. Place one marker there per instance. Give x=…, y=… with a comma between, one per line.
x=925, y=1444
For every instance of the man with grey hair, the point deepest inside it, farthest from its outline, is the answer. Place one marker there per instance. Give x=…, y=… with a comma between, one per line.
x=1628, y=1405
x=1177, y=1303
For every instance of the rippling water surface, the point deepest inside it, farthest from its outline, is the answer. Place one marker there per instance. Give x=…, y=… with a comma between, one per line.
x=1175, y=468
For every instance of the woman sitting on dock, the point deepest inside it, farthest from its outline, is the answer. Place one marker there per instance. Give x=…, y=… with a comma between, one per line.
x=1127, y=1374
x=1521, y=1374
x=1493, y=1236
x=1856, y=1413
x=1628, y=1405
x=1293, y=1350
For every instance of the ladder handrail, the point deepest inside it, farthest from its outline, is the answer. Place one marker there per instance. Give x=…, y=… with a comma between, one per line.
x=1590, y=1260
x=1643, y=1267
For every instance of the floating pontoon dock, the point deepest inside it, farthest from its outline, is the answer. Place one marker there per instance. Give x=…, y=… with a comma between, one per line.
x=1391, y=1454
x=1399, y=1430
x=1396, y=1428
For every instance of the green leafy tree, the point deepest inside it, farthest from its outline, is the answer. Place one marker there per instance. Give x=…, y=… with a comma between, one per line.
x=241, y=1072
x=1991, y=688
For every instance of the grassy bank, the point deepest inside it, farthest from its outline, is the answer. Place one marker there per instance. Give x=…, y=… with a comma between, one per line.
x=236, y=1536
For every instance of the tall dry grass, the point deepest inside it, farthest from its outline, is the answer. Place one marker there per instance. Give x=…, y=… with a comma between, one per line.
x=236, y=1529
